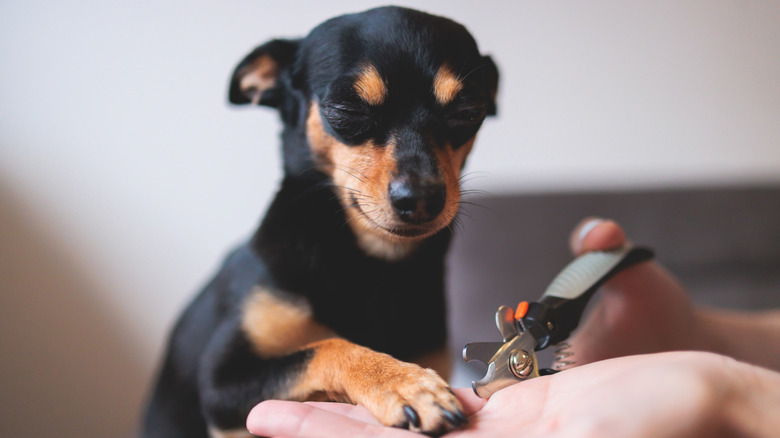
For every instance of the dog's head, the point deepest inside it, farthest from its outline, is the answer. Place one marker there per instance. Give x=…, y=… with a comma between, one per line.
x=387, y=104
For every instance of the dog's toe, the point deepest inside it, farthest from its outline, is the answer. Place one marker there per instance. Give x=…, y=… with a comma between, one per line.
x=418, y=400
x=455, y=418
x=412, y=418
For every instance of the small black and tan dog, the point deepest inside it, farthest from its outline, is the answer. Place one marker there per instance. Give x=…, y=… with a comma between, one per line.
x=380, y=110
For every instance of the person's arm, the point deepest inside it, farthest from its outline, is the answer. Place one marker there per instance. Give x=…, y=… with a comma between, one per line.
x=752, y=337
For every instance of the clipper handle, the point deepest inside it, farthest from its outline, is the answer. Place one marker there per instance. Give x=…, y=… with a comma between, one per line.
x=558, y=312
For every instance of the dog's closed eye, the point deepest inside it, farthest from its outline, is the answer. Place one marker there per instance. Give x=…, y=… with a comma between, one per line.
x=353, y=124
x=467, y=115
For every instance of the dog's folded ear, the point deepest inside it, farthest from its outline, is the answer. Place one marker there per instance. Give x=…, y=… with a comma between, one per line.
x=255, y=79
x=492, y=82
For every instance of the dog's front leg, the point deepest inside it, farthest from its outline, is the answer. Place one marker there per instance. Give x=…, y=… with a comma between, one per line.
x=275, y=350
x=397, y=393
x=234, y=378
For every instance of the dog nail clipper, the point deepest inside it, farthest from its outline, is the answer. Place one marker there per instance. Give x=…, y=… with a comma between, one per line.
x=538, y=325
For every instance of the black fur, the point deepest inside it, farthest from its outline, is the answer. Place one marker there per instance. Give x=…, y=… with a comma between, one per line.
x=210, y=376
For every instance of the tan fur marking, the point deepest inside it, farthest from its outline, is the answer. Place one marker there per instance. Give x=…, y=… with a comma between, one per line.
x=370, y=86
x=451, y=163
x=446, y=85
x=258, y=76
x=349, y=372
x=277, y=326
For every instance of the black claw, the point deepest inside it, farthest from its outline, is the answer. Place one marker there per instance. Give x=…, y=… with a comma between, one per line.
x=402, y=425
x=412, y=416
x=438, y=432
x=461, y=416
x=456, y=418
x=451, y=418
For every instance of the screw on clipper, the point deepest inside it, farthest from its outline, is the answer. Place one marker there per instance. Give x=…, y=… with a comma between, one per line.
x=521, y=363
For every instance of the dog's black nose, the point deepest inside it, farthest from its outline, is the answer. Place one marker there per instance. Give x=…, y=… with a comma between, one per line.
x=416, y=203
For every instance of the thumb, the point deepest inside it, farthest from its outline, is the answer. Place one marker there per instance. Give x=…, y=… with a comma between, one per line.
x=596, y=234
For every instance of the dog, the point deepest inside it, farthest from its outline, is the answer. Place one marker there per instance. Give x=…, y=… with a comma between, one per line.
x=339, y=295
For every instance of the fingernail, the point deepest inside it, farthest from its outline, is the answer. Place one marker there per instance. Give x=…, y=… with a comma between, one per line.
x=587, y=228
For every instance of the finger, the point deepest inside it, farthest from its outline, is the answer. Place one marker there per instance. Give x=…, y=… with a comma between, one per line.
x=298, y=420
x=596, y=234
x=470, y=401
x=359, y=413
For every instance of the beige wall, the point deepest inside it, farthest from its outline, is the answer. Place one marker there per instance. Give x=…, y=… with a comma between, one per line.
x=124, y=177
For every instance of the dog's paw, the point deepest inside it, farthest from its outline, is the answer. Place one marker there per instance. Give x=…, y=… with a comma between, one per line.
x=414, y=398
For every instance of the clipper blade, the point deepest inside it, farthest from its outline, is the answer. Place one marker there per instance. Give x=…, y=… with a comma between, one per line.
x=563, y=357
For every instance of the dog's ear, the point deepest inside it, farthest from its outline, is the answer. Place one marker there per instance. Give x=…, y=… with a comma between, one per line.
x=491, y=76
x=255, y=79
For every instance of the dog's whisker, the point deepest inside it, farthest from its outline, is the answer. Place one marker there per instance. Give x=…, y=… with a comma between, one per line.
x=349, y=173
x=473, y=193
x=455, y=224
x=472, y=71
x=471, y=203
x=352, y=189
x=352, y=197
x=470, y=176
x=468, y=204
x=349, y=169
x=460, y=219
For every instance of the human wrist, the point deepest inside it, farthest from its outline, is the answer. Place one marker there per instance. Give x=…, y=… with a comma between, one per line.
x=751, y=401
x=711, y=332
x=746, y=336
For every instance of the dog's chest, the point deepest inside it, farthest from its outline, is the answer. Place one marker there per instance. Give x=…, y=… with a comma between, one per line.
x=399, y=310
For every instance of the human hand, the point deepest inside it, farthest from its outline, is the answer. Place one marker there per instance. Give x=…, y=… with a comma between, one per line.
x=642, y=309
x=668, y=395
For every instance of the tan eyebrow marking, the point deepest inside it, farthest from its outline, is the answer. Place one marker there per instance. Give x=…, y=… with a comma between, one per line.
x=370, y=86
x=446, y=85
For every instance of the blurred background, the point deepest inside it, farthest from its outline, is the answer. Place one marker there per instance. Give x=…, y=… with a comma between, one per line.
x=125, y=176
